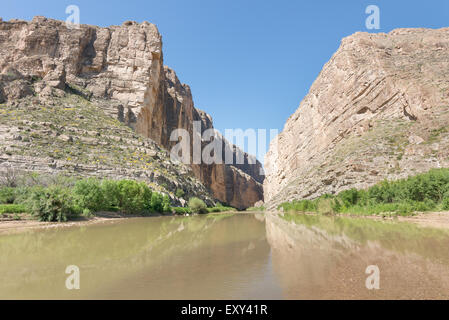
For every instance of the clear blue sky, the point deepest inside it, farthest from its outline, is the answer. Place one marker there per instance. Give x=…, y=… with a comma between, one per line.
x=249, y=63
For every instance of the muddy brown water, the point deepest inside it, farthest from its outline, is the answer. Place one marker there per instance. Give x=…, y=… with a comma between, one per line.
x=232, y=256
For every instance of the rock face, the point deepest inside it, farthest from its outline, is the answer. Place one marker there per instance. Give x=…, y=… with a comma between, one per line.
x=72, y=136
x=121, y=66
x=379, y=109
x=239, y=185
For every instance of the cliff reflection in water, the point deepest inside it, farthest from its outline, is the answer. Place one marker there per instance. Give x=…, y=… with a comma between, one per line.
x=222, y=256
x=234, y=256
x=317, y=257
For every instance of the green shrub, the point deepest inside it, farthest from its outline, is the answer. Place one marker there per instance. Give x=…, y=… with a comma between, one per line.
x=337, y=206
x=22, y=194
x=51, y=204
x=166, y=205
x=300, y=206
x=7, y=195
x=88, y=194
x=159, y=203
x=12, y=208
x=181, y=210
x=111, y=194
x=423, y=192
x=445, y=203
x=133, y=196
x=87, y=213
x=349, y=197
x=197, y=205
x=219, y=208
x=156, y=204
x=65, y=197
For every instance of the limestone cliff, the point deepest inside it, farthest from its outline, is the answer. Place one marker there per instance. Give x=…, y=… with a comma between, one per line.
x=120, y=70
x=239, y=185
x=378, y=109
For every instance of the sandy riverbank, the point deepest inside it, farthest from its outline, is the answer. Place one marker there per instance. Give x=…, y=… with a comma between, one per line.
x=16, y=226
x=431, y=220
x=425, y=219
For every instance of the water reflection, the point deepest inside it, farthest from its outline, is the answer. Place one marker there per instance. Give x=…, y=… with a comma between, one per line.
x=214, y=257
x=318, y=257
x=237, y=256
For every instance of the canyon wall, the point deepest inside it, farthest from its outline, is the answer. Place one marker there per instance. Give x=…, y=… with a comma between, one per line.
x=237, y=184
x=120, y=67
x=378, y=110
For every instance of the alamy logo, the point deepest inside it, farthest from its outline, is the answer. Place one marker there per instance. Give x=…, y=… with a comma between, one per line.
x=73, y=20
x=373, y=281
x=373, y=20
x=73, y=280
x=210, y=147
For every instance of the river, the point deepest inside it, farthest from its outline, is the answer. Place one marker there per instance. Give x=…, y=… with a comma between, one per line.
x=229, y=256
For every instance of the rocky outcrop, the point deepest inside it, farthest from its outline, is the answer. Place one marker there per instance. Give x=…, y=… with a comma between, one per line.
x=378, y=109
x=122, y=65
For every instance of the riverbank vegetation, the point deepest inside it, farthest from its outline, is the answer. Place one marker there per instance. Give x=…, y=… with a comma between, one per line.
x=421, y=193
x=12, y=208
x=62, y=198
x=196, y=205
x=260, y=209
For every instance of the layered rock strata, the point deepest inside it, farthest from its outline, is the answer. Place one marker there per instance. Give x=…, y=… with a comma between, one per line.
x=120, y=69
x=378, y=110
